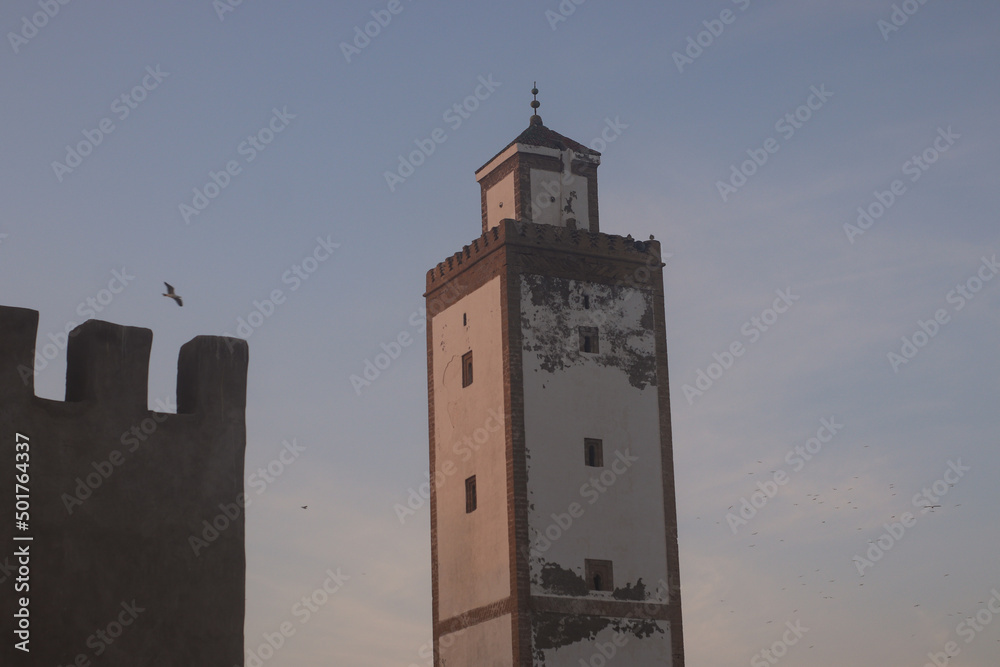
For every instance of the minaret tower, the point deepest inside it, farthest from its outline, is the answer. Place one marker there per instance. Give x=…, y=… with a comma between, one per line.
x=553, y=516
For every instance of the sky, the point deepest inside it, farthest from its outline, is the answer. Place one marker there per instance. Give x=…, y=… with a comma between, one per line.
x=834, y=161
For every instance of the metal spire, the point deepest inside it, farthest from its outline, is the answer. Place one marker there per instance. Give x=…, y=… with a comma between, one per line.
x=535, y=118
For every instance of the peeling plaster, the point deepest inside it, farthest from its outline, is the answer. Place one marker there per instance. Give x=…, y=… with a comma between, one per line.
x=559, y=580
x=568, y=207
x=569, y=396
x=637, y=593
x=554, y=631
x=623, y=315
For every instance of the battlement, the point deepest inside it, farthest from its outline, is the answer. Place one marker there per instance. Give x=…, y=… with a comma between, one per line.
x=128, y=509
x=109, y=363
x=528, y=235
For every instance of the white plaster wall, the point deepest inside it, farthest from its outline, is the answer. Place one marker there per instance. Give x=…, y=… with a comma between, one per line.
x=543, y=211
x=501, y=193
x=473, y=555
x=487, y=644
x=569, y=396
x=627, y=651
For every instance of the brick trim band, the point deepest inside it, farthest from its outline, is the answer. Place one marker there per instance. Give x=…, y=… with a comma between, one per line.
x=475, y=616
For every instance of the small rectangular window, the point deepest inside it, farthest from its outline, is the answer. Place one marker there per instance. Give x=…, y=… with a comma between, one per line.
x=589, y=341
x=465, y=319
x=593, y=452
x=470, y=494
x=467, y=369
x=600, y=575
x=586, y=301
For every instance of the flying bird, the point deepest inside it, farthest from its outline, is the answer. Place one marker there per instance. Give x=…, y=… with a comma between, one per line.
x=305, y=507
x=171, y=295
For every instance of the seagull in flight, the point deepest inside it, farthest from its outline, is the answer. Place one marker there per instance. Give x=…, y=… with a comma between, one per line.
x=170, y=294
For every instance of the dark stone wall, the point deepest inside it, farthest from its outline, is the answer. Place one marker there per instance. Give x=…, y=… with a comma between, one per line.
x=122, y=568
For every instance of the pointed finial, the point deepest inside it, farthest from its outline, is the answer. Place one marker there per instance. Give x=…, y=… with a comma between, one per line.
x=535, y=118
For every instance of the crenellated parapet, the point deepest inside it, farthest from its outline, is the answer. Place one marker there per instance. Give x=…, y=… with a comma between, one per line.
x=17, y=353
x=124, y=503
x=527, y=236
x=109, y=363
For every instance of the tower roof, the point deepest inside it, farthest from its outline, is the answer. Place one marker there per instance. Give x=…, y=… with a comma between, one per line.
x=539, y=167
x=539, y=135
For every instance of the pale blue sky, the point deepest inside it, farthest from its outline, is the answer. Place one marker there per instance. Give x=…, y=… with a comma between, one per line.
x=323, y=177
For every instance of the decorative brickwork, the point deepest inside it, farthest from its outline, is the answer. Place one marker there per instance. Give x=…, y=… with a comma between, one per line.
x=605, y=257
x=673, y=591
x=476, y=616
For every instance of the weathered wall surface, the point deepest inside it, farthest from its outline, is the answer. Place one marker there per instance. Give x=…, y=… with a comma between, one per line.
x=500, y=200
x=557, y=396
x=611, y=641
x=473, y=562
x=569, y=192
x=609, y=512
x=122, y=570
x=487, y=644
